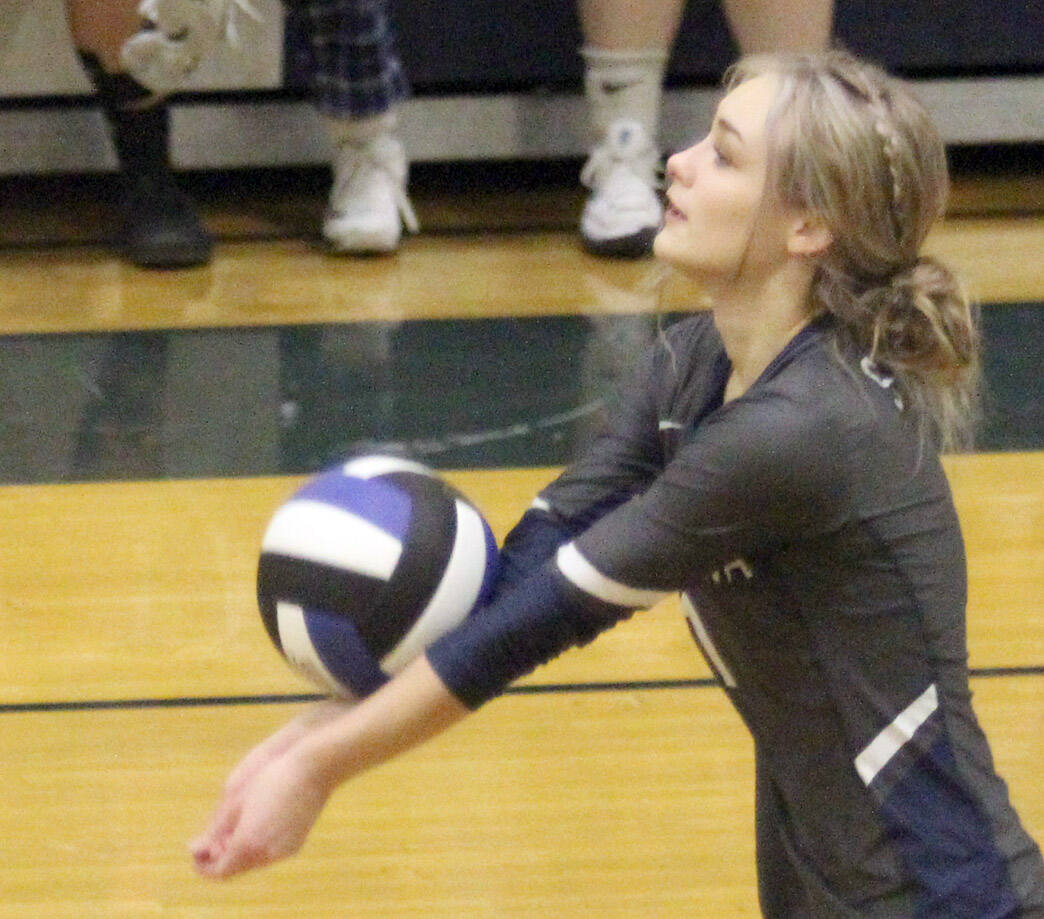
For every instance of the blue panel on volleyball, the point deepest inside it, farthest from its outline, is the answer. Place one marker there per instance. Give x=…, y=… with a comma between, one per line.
x=365, y=566
x=375, y=500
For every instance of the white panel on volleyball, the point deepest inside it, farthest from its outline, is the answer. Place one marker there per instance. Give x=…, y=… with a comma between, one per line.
x=320, y=533
x=455, y=594
x=369, y=467
x=299, y=650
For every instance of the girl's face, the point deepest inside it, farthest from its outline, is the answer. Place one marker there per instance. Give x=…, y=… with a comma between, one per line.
x=719, y=222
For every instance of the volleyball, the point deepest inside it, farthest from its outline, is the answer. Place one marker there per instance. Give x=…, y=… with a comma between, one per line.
x=365, y=566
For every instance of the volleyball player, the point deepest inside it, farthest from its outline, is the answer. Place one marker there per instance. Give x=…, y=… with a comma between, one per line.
x=777, y=461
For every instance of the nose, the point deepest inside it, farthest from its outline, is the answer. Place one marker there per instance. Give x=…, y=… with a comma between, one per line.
x=681, y=166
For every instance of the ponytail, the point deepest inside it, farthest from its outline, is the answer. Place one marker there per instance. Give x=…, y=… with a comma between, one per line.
x=921, y=328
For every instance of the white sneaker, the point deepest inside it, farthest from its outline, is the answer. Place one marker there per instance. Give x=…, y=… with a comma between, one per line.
x=623, y=212
x=368, y=204
x=178, y=34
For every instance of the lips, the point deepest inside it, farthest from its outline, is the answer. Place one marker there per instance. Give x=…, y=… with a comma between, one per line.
x=670, y=210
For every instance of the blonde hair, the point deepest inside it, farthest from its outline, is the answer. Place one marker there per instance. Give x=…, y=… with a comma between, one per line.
x=852, y=145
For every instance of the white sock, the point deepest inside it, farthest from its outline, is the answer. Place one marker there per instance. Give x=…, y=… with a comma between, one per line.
x=624, y=84
x=359, y=131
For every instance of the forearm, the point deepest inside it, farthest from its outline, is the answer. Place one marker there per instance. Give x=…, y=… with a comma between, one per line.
x=283, y=740
x=528, y=626
x=402, y=714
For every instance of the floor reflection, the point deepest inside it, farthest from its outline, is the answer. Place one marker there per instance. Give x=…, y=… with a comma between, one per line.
x=456, y=393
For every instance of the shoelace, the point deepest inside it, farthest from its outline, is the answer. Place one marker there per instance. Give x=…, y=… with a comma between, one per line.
x=244, y=7
x=353, y=160
x=225, y=15
x=603, y=158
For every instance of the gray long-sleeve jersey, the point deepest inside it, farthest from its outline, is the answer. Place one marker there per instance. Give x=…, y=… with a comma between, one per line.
x=814, y=538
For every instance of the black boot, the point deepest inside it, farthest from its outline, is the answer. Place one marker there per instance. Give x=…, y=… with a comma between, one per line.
x=160, y=227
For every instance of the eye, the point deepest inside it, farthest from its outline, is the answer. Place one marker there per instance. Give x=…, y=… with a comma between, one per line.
x=720, y=159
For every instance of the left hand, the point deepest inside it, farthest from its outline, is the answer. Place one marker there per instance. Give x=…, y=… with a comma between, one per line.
x=265, y=819
x=276, y=794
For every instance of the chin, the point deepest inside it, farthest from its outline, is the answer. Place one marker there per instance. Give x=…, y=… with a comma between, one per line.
x=662, y=244
x=671, y=250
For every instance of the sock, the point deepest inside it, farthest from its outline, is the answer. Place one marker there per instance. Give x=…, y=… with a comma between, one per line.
x=624, y=84
x=137, y=119
x=359, y=131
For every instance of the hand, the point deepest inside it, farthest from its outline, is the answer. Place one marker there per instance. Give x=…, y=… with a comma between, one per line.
x=208, y=849
x=266, y=817
x=276, y=794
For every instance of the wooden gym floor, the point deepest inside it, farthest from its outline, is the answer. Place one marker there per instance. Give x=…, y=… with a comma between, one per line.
x=151, y=421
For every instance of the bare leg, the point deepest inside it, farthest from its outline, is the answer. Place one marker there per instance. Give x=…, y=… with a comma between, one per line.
x=629, y=25
x=780, y=25
x=100, y=27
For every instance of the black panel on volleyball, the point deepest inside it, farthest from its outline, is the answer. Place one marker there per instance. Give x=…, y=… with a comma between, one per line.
x=306, y=583
x=425, y=554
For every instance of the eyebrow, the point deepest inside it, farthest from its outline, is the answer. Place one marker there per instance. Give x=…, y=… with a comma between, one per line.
x=727, y=125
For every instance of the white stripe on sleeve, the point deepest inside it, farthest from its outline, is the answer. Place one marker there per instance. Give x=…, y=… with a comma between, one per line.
x=591, y=581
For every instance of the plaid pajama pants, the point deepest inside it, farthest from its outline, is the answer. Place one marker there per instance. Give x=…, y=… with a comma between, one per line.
x=343, y=52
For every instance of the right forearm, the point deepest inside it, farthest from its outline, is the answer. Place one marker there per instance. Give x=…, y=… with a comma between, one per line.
x=405, y=712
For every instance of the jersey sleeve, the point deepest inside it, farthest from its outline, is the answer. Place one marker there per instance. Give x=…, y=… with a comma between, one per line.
x=747, y=482
x=534, y=612
x=623, y=458
x=761, y=474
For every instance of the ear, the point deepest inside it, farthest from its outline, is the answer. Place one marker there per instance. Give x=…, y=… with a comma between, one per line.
x=808, y=236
